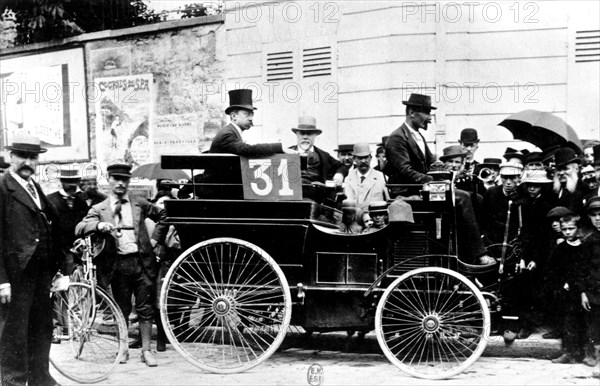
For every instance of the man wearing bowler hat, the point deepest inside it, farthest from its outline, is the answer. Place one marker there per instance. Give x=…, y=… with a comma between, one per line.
x=408, y=156
x=27, y=266
x=3, y=165
x=469, y=141
x=364, y=184
x=567, y=185
x=229, y=138
x=321, y=166
x=345, y=156
x=135, y=266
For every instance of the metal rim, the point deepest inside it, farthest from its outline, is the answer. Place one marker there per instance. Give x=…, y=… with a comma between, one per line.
x=225, y=305
x=432, y=323
x=89, y=350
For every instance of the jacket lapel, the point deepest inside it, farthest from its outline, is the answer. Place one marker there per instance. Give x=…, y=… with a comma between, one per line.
x=19, y=193
x=234, y=130
x=106, y=212
x=136, y=214
x=412, y=143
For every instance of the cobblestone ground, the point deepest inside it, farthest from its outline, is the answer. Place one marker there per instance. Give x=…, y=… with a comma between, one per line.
x=354, y=362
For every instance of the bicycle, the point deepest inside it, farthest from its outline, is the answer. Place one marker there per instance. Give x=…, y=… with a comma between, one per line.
x=91, y=322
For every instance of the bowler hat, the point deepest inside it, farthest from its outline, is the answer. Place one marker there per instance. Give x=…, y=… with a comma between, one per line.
x=419, y=100
x=361, y=149
x=240, y=99
x=559, y=211
x=511, y=169
x=307, y=124
x=69, y=175
x=513, y=153
x=596, y=154
x=452, y=152
x=592, y=203
x=536, y=177
x=378, y=207
x=122, y=170
x=469, y=136
x=27, y=144
x=383, y=141
x=3, y=164
x=491, y=163
x=566, y=155
x=345, y=148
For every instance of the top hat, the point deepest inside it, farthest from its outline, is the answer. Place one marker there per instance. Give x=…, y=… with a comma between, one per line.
x=307, y=124
x=559, y=211
x=240, y=99
x=401, y=211
x=491, y=163
x=452, y=152
x=511, y=169
x=345, y=148
x=592, y=203
x=419, y=100
x=513, y=153
x=3, y=164
x=378, y=207
x=469, y=136
x=122, y=170
x=27, y=144
x=361, y=149
x=566, y=155
x=69, y=175
x=383, y=141
x=536, y=177
x=596, y=154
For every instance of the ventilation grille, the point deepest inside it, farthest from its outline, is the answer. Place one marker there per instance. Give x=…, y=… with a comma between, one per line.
x=316, y=62
x=280, y=66
x=409, y=245
x=587, y=46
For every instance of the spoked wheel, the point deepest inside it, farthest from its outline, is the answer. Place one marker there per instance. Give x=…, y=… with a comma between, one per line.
x=432, y=323
x=225, y=305
x=91, y=342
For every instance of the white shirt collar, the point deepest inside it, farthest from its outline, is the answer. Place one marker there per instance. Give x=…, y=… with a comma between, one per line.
x=19, y=179
x=240, y=131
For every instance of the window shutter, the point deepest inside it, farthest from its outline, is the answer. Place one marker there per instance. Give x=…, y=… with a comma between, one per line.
x=587, y=46
x=316, y=62
x=280, y=66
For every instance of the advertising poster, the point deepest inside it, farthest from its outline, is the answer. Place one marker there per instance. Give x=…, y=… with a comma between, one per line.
x=124, y=107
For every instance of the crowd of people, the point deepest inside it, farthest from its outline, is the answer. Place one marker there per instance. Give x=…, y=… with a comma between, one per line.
x=545, y=203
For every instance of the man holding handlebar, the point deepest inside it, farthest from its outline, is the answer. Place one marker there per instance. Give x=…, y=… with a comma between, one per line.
x=135, y=268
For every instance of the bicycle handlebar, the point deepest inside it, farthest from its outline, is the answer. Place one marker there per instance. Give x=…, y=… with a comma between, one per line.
x=115, y=229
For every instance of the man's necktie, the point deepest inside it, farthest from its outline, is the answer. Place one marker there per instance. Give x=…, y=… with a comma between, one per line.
x=362, y=179
x=31, y=190
x=118, y=209
x=70, y=201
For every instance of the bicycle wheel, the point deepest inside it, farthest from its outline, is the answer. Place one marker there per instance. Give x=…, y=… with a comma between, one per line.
x=92, y=342
x=225, y=305
x=432, y=323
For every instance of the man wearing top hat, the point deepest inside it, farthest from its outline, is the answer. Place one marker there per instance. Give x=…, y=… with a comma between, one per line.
x=71, y=208
x=135, y=266
x=567, y=185
x=364, y=184
x=229, y=138
x=27, y=266
x=408, y=156
x=321, y=166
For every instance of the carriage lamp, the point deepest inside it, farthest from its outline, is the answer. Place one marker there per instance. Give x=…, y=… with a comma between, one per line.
x=436, y=190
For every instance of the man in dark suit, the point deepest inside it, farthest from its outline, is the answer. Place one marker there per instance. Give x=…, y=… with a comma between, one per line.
x=406, y=151
x=3, y=165
x=321, y=166
x=229, y=138
x=89, y=187
x=27, y=266
x=135, y=264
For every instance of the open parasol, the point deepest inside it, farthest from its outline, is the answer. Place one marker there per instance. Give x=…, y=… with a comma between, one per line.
x=155, y=172
x=542, y=129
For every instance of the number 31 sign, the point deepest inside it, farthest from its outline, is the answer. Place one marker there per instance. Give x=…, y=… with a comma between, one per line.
x=274, y=178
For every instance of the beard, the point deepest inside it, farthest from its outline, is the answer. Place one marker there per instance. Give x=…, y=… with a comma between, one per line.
x=570, y=185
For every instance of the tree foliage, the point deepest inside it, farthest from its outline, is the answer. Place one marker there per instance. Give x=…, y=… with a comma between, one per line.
x=43, y=20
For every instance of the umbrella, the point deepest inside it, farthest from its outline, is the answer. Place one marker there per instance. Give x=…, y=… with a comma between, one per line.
x=542, y=129
x=156, y=172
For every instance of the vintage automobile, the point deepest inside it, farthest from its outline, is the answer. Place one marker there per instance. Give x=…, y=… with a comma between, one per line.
x=257, y=259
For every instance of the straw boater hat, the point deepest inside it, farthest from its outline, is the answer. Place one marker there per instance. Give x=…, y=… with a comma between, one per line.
x=378, y=207
x=70, y=175
x=536, y=177
x=307, y=124
x=452, y=152
x=26, y=144
x=240, y=99
x=491, y=163
x=511, y=169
